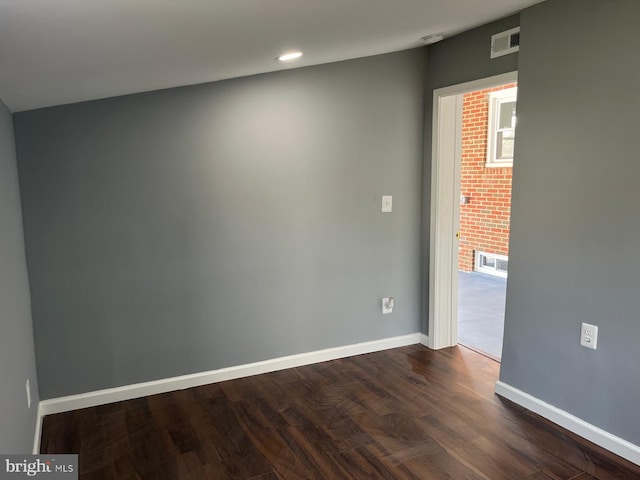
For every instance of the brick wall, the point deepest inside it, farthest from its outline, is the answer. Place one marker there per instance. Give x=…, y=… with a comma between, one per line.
x=484, y=221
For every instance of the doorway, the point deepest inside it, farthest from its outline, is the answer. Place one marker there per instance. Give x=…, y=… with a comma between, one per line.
x=486, y=164
x=461, y=254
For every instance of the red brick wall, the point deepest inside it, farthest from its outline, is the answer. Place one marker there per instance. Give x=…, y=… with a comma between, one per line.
x=484, y=221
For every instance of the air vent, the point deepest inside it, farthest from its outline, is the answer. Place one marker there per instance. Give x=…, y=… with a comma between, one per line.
x=504, y=43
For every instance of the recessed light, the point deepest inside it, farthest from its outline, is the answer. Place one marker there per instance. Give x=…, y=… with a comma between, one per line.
x=287, y=57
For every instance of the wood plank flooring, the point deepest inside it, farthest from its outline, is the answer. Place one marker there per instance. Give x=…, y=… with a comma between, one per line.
x=406, y=413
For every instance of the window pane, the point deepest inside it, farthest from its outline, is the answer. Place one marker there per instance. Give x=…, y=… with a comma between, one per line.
x=504, y=148
x=489, y=262
x=507, y=115
x=502, y=265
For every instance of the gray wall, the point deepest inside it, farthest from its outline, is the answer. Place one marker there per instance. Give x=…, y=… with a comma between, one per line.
x=196, y=228
x=458, y=59
x=465, y=57
x=17, y=363
x=575, y=227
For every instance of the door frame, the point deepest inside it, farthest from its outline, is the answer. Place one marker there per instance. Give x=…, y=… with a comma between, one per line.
x=445, y=207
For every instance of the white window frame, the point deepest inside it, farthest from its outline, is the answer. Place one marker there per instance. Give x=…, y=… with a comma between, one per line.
x=480, y=267
x=495, y=100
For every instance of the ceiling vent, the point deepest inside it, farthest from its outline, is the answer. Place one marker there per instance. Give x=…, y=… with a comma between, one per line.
x=504, y=43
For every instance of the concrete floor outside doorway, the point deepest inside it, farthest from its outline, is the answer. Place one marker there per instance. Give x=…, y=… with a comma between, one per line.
x=481, y=302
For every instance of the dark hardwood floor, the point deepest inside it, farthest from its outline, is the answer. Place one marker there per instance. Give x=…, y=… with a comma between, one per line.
x=407, y=413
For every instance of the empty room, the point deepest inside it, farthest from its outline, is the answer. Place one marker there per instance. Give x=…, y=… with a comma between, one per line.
x=229, y=239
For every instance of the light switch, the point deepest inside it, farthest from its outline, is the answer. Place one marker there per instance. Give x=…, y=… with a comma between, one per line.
x=387, y=305
x=589, y=336
x=387, y=201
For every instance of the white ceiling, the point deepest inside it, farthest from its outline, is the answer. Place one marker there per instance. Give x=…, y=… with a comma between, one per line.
x=61, y=51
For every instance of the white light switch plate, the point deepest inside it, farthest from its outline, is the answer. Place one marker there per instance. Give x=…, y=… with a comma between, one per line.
x=387, y=305
x=589, y=336
x=387, y=203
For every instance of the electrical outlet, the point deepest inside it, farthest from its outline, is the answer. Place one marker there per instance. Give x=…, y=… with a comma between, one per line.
x=28, y=386
x=387, y=305
x=589, y=336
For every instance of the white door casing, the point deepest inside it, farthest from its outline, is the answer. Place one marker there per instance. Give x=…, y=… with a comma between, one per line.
x=445, y=207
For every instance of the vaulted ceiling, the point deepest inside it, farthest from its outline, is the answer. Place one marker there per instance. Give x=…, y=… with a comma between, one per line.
x=63, y=51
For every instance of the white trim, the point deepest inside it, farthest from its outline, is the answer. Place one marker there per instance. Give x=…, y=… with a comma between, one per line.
x=508, y=164
x=495, y=101
x=444, y=204
x=38, y=433
x=487, y=270
x=424, y=340
x=137, y=390
x=447, y=141
x=572, y=423
x=466, y=87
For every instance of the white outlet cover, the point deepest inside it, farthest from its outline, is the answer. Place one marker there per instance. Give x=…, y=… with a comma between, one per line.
x=589, y=336
x=387, y=203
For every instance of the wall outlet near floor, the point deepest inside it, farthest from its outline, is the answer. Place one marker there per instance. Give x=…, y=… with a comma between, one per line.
x=589, y=336
x=28, y=386
x=387, y=305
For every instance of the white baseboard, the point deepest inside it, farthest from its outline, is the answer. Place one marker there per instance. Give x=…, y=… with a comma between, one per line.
x=424, y=340
x=36, y=437
x=137, y=390
x=572, y=423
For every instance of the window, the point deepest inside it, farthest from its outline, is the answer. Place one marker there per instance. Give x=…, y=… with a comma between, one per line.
x=502, y=127
x=492, y=264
